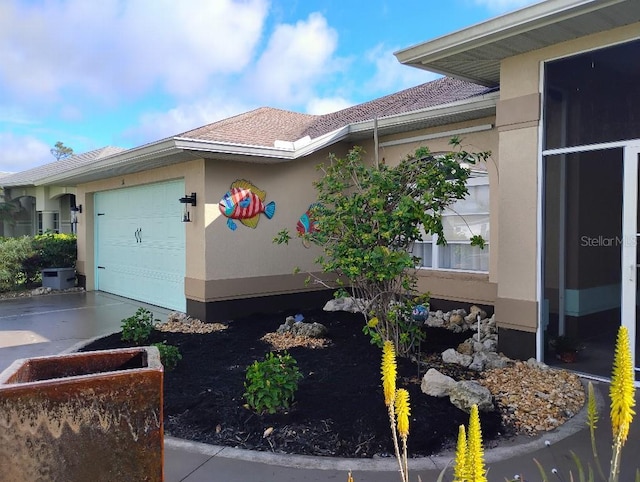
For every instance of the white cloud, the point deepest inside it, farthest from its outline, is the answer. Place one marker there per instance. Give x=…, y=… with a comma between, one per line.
x=500, y=6
x=390, y=75
x=319, y=106
x=115, y=47
x=154, y=126
x=296, y=59
x=18, y=153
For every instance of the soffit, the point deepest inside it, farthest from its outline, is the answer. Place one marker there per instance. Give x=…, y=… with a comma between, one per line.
x=474, y=54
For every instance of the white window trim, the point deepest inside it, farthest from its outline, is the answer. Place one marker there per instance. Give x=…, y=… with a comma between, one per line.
x=476, y=179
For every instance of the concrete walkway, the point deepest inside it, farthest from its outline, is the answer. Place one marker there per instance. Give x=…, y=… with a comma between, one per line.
x=51, y=324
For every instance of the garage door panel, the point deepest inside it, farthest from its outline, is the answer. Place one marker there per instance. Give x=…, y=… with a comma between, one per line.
x=140, y=243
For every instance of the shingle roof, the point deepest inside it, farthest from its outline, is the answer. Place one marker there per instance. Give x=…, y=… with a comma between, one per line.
x=263, y=126
x=31, y=176
x=259, y=127
x=438, y=92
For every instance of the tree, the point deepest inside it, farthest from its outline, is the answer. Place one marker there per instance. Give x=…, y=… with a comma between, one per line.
x=367, y=221
x=60, y=151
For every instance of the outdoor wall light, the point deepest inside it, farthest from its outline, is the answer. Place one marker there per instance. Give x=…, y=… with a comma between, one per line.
x=186, y=200
x=74, y=217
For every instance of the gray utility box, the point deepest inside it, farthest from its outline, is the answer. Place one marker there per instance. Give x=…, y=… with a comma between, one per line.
x=58, y=278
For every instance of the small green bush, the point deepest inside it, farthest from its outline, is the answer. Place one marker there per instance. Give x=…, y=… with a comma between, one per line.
x=13, y=254
x=51, y=250
x=169, y=355
x=271, y=384
x=138, y=327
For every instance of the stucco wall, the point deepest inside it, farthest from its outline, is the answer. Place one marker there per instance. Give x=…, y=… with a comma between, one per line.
x=244, y=262
x=518, y=116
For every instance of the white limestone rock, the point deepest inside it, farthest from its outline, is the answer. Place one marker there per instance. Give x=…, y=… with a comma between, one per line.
x=452, y=356
x=435, y=384
x=348, y=304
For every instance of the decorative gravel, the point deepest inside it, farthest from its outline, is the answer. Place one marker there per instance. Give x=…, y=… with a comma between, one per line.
x=285, y=341
x=533, y=399
x=189, y=325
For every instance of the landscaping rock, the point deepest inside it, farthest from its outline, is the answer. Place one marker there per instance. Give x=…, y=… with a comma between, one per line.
x=456, y=319
x=476, y=310
x=479, y=362
x=467, y=393
x=533, y=363
x=41, y=291
x=496, y=360
x=490, y=345
x=299, y=328
x=452, y=356
x=348, y=304
x=465, y=348
x=435, y=384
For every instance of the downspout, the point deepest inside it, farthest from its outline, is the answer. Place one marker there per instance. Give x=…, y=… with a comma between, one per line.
x=376, y=146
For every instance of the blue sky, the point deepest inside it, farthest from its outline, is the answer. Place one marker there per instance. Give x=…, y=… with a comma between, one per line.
x=128, y=72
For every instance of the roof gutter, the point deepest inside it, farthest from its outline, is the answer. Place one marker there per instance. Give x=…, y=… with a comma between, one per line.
x=478, y=103
x=160, y=148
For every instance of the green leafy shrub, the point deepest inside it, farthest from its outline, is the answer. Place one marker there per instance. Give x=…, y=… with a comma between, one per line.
x=56, y=250
x=13, y=254
x=271, y=384
x=169, y=355
x=138, y=327
x=51, y=250
x=367, y=220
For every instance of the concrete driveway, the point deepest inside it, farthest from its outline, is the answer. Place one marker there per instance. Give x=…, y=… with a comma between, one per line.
x=51, y=324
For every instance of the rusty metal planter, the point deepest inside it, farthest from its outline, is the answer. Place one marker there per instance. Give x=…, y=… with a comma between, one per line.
x=94, y=416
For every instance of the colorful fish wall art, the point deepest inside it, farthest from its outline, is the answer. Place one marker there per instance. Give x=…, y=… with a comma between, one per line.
x=307, y=224
x=245, y=202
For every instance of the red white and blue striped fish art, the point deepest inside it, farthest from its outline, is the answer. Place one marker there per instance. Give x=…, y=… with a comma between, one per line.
x=245, y=202
x=307, y=223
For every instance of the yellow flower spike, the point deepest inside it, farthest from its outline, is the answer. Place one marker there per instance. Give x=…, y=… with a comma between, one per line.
x=475, y=454
x=592, y=409
x=402, y=412
x=389, y=369
x=621, y=390
x=373, y=322
x=459, y=468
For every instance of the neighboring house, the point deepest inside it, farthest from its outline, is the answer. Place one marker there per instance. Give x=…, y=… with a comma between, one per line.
x=550, y=89
x=42, y=207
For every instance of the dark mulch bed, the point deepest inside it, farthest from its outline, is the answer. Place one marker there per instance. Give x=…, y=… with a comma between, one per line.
x=339, y=409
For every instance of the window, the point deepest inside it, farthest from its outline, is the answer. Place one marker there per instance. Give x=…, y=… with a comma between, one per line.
x=466, y=218
x=48, y=222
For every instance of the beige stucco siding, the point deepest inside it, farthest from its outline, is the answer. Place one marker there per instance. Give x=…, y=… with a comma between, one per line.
x=245, y=262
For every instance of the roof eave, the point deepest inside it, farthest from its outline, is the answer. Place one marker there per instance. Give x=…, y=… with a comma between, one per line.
x=156, y=149
x=474, y=104
x=501, y=28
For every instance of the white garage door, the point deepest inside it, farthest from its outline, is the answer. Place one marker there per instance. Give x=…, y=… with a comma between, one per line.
x=140, y=243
